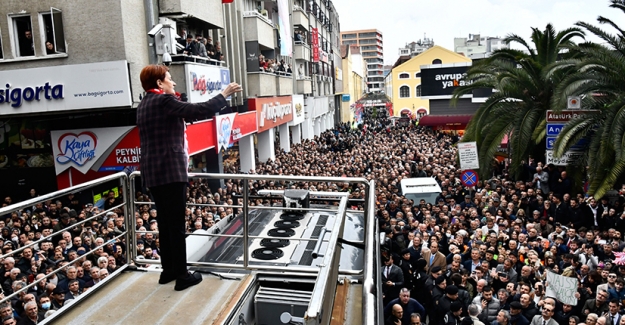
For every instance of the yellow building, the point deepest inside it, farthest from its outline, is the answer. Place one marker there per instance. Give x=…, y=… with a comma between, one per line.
x=405, y=82
x=353, y=80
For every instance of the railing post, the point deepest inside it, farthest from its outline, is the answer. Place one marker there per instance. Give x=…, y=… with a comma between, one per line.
x=246, y=246
x=129, y=212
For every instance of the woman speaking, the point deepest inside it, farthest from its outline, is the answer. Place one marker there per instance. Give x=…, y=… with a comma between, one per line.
x=164, y=163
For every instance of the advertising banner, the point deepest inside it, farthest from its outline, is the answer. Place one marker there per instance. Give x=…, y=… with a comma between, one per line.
x=205, y=81
x=65, y=88
x=223, y=128
x=252, y=52
x=272, y=111
x=562, y=288
x=88, y=148
x=298, y=110
x=315, y=44
x=442, y=81
x=286, y=44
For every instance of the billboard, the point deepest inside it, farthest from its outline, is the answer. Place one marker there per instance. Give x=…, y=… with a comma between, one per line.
x=440, y=82
x=205, y=81
x=65, y=88
x=272, y=111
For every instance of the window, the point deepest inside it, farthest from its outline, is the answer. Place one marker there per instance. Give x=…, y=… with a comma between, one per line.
x=22, y=35
x=404, y=92
x=437, y=61
x=52, y=33
x=404, y=76
x=418, y=91
x=418, y=74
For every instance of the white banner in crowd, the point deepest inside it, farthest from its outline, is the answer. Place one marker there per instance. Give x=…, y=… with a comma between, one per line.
x=562, y=288
x=468, y=155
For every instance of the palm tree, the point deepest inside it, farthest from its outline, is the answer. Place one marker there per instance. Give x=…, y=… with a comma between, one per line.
x=523, y=88
x=599, y=78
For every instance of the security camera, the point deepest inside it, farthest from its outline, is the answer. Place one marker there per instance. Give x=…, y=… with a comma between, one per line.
x=166, y=59
x=157, y=28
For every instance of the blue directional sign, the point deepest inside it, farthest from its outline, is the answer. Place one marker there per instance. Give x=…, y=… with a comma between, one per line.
x=554, y=129
x=550, y=142
x=468, y=178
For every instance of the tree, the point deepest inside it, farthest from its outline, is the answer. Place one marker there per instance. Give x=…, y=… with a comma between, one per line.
x=524, y=85
x=599, y=77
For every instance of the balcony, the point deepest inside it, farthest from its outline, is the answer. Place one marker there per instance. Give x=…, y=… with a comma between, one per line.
x=301, y=51
x=259, y=28
x=304, y=86
x=284, y=84
x=201, y=10
x=261, y=84
x=300, y=18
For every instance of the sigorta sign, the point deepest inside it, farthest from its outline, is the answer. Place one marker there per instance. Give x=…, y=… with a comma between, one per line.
x=16, y=96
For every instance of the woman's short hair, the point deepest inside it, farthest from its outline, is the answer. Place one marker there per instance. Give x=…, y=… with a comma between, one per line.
x=150, y=74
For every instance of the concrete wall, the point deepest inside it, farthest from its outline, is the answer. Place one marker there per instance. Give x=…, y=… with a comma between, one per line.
x=209, y=11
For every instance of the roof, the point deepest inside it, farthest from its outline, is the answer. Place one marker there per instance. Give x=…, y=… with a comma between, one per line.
x=355, y=49
x=433, y=48
x=401, y=60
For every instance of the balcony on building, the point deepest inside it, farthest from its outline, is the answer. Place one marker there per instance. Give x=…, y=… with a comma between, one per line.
x=259, y=28
x=301, y=51
x=262, y=84
x=284, y=83
x=304, y=86
x=194, y=12
x=300, y=17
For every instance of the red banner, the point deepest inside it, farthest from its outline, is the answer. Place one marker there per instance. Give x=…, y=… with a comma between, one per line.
x=272, y=111
x=315, y=44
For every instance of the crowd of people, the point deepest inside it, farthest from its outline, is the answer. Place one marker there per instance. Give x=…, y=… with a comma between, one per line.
x=202, y=47
x=474, y=256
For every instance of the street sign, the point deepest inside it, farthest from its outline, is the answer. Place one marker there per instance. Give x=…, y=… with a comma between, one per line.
x=568, y=158
x=552, y=140
x=554, y=129
x=469, y=178
x=565, y=116
x=467, y=151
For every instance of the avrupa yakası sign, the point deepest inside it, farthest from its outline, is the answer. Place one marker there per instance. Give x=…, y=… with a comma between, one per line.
x=562, y=288
x=64, y=88
x=442, y=81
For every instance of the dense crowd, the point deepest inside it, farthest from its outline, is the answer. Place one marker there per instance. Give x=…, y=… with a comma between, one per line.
x=474, y=256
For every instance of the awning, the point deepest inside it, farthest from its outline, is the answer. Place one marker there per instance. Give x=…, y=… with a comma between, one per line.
x=451, y=122
x=422, y=111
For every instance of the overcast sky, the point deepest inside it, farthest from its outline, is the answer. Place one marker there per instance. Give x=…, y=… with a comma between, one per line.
x=404, y=21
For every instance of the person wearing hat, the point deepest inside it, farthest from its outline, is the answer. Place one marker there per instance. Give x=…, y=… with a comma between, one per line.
x=516, y=317
x=453, y=316
x=443, y=305
x=58, y=298
x=409, y=306
x=407, y=269
x=420, y=278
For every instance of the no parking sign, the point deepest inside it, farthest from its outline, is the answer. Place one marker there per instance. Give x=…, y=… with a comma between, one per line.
x=469, y=178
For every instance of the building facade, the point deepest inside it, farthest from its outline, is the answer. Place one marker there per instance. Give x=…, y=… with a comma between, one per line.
x=404, y=81
x=353, y=81
x=72, y=75
x=372, y=49
x=415, y=48
x=478, y=47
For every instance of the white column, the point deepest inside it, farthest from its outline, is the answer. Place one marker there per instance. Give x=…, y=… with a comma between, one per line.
x=285, y=139
x=296, y=134
x=317, y=126
x=322, y=120
x=307, y=129
x=266, y=146
x=246, y=153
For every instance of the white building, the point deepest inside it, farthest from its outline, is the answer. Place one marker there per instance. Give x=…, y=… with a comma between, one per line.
x=477, y=46
x=415, y=48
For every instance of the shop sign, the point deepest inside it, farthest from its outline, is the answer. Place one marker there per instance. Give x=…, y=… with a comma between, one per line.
x=442, y=81
x=272, y=111
x=315, y=44
x=205, y=81
x=87, y=149
x=298, y=110
x=65, y=88
x=229, y=128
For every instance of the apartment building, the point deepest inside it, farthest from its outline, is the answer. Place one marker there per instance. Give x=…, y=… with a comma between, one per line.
x=371, y=45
